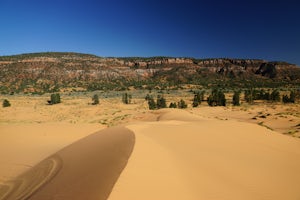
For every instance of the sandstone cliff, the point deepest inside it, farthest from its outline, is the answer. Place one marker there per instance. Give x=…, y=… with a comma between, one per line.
x=47, y=70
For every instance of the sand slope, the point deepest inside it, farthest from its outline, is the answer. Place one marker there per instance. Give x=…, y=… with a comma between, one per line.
x=24, y=145
x=180, y=158
x=87, y=169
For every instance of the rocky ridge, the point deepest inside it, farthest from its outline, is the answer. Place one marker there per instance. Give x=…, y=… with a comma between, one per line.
x=43, y=71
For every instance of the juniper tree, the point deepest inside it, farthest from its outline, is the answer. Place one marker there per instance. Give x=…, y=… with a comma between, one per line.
x=182, y=104
x=160, y=102
x=151, y=103
x=236, y=98
x=172, y=105
x=54, y=99
x=275, y=96
x=217, y=98
x=198, y=97
x=126, y=98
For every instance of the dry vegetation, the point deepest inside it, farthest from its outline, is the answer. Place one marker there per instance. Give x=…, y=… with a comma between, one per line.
x=77, y=108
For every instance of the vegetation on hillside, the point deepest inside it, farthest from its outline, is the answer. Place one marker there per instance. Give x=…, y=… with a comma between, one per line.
x=50, y=72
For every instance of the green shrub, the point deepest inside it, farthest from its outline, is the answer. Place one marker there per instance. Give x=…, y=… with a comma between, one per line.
x=151, y=103
x=217, y=98
x=126, y=98
x=54, y=99
x=6, y=103
x=236, y=98
x=161, y=102
x=275, y=96
x=181, y=104
x=172, y=105
x=289, y=99
x=95, y=99
x=198, y=98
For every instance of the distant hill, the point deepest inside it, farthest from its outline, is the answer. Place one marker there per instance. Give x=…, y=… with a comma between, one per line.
x=54, y=71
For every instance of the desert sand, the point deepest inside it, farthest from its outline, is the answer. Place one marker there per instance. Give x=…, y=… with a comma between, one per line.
x=198, y=153
x=180, y=158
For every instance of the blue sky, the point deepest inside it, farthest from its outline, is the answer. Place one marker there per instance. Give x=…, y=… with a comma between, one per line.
x=263, y=29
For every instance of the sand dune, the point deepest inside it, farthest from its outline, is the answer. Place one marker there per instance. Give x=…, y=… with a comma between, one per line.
x=87, y=169
x=178, y=156
x=23, y=145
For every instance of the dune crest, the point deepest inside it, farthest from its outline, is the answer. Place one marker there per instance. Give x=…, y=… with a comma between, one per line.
x=209, y=159
x=86, y=169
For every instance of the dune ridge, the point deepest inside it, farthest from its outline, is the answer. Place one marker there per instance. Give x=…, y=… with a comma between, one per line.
x=180, y=158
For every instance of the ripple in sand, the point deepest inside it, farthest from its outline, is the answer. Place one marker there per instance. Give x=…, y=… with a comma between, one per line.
x=29, y=182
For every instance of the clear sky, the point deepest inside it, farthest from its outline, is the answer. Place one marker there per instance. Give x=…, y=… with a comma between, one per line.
x=265, y=29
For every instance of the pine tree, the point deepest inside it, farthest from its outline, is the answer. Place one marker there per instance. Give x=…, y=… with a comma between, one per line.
x=160, y=102
x=198, y=97
x=151, y=103
x=275, y=95
x=289, y=99
x=54, y=99
x=249, y=95
x=217, y=98
x=172, y=105
x=293, y=96
x=236, y=98
x=126, y=98
x=182, y=104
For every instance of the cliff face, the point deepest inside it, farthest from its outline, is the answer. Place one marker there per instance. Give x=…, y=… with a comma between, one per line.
x=73, y=70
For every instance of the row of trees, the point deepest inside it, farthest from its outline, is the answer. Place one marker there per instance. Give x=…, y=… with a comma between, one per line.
x=216, y=98
x=161, y=103
x=253, y=94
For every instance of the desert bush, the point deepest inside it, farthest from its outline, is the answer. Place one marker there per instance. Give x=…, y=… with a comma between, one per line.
x=151, y=103
x=236, y=98
x=289, y=99
x=161, y=102
x=172, y=105
x=198, y=98
x=275, y=95
x=95, y=99
x=217, y=98
x=249, y=95
x=126, y=98
x=6, y=103
x=54, y=99
x=181, y=104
